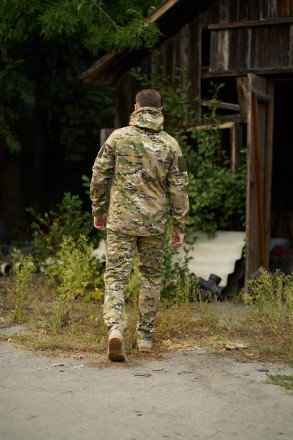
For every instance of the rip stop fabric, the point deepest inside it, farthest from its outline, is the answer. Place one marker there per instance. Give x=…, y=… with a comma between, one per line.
x=119, y=257
x=140, y=172
x=143, y=170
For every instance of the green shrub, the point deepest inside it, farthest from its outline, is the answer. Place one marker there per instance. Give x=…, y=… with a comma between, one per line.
x=49, y=228
x=22, y=271
x=177, y=285
x=272, y=293
x=77, y=276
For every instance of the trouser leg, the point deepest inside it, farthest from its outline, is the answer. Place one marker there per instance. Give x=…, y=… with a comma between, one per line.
x=150, y=250
x=119, y=254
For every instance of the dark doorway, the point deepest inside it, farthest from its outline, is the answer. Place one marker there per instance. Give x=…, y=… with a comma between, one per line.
x=282, y=179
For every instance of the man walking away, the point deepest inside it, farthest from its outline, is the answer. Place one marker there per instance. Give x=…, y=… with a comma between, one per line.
x=141, y=172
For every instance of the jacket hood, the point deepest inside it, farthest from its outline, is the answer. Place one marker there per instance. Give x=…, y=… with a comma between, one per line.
x=148, y=118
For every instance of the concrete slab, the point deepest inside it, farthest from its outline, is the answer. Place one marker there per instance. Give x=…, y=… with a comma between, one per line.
x=188, y=395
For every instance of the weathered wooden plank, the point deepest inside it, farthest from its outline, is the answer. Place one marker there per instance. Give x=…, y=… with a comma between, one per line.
x=290, y=49
x=253, y=10
x=233, y=152
x=264, y=47
x=254, y=23
x=259, y=142
x=214, y=12
x=263, y=13
x=184, y=45
x=243, y=96
x=206, y=74
x=224, y=105
x=239, y=48
x=163, y=9
x=223, y=50
x=281, y=41
x=243, y=10
x=224, y=11
x=213, y=50
x=257, y=54
x=268, y=166
x=273, y=8
x=233, y=10
x=195, y=57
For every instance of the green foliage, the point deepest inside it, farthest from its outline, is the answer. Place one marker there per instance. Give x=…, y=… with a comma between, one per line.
x=86, y=184
x=216, y=193
x=177, y=285
x=22, y=270
x=272, y=293
x=46, y=45
x=100, y=25
x=283, y=380
x=14, y=82
x=68, y=219
x=76, y=273
x=178, y=108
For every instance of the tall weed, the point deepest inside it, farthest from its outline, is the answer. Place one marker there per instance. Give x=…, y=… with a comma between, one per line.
x=76, y=273
x=272, y=294
x=22, y=271
x=49, y=228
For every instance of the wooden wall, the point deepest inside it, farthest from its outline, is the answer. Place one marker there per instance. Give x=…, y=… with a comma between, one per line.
x=230, y=38
x=250, y=35
x=180, y=50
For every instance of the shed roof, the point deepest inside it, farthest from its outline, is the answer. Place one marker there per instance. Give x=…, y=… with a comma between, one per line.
x=170, y=17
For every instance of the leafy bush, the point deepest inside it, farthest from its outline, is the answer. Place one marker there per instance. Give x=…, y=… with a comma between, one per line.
x=22, y=270
x=177, y=285
x=76, y=274
x=68, y=220
x=217, y=194
x=272, y=293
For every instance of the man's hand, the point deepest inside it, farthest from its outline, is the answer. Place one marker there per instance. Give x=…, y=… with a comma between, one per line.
x=177, y=239
x=100, y=222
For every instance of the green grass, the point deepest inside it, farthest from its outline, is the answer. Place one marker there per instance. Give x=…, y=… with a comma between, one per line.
x=282, y=380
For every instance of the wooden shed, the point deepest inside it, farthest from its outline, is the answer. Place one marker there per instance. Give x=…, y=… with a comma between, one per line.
x=248, y=46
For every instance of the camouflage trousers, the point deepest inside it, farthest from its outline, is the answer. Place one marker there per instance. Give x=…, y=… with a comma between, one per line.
x=120, y=250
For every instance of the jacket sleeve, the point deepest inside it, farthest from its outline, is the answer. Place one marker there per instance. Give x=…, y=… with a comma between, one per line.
x=178, y=182
x=103, y=170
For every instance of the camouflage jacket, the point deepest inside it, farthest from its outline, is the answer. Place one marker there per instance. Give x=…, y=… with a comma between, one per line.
x=142, y=169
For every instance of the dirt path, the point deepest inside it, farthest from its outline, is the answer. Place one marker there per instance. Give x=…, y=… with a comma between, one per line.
x=191, y=394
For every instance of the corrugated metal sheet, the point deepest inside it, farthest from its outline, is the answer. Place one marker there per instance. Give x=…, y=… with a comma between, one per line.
x=216, y=255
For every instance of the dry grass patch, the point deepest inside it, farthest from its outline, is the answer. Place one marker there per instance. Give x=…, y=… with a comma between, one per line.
x=231, y=329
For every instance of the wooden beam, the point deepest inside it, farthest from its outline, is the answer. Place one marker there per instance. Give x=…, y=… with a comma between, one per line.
x=247, y=24
x=243, y=94
x=258, y=179
x=101, y=62
x=290, y=52
x=163, y=9
x=224, y=105
x=205, y=73
x=213, y=127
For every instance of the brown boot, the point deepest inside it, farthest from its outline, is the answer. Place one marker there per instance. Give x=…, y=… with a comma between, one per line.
x=115, y=346
x=144, y=345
